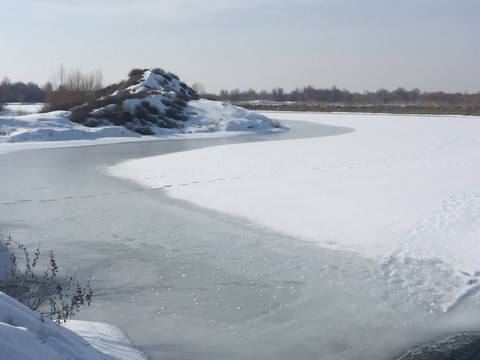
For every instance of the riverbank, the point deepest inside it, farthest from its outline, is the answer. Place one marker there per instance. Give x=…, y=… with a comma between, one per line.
x=372, y=109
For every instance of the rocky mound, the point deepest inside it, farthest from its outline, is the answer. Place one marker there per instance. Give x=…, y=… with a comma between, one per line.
x=148, y=98
x=154, y=99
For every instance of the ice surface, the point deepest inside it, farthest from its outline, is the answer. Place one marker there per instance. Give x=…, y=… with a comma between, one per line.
x=186, y=282
x=400, y=185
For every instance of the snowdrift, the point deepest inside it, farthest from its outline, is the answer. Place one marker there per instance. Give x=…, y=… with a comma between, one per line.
x=27, y=335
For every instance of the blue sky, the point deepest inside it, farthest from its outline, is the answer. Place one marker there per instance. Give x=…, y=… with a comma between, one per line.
x=261, y=44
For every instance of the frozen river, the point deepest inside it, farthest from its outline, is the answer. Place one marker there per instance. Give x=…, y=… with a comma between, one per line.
x=190, y=283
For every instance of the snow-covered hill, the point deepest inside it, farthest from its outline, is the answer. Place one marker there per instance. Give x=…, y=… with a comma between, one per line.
x=151, y=105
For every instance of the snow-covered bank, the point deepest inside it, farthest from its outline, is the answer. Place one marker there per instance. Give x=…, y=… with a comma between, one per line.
x=402, y=186
x=206, y=119
x=26, y=335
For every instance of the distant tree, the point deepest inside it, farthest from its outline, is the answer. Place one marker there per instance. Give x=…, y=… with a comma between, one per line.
x=336, y=94
x=413, y=95
x=399, y=96
x=3, y=89
x=359, y=99
x=198, y=87
x=382, y=96
x=6, y=81
x=20, y=92
x=48, y=87
x=278, y=94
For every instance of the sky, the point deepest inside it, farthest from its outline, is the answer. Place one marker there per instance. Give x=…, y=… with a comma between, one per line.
x=357, y=45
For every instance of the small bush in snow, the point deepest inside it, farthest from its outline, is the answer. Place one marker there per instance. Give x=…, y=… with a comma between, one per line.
x=276, y=123
x=115, y=114
x=174, y=76
x=54, y=297
x=166, y=102
x=167, y=76
x=176, y=114
x=135, y=72
x=152, y=109
x=143, y=130
x=159, y=71
x=179, y=103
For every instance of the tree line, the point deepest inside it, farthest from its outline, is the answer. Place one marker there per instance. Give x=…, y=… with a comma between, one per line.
x=76, y=84
x=21, y=92
x=334, y=95
x=67, y=88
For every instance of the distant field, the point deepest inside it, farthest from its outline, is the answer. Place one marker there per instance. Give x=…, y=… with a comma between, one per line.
x=390, y=109
x=22, y=108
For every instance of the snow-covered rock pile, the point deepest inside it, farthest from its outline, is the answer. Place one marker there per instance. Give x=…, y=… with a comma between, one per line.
x=150, y=105
x=154, y=99
x=149, y=98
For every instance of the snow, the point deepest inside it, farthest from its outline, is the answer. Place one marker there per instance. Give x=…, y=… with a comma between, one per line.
x=22, y=108
x=214, y=116
x=404, y=186
x=20, y=326
x=151, y=80
x=54, y=129
x=27, y=335
x=399, y=189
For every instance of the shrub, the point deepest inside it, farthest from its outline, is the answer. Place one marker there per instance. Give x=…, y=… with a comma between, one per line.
x=176, y=114
x=167, y=76
x=149, y=107
x=276, y=123
x=179, y=102
x=58, y=299
x=192, y=95
x=159, y=71
x=115, y=114
x=166, y=102
x=142, y=113
x=79, y=114
x=145, y=130
x=147, y=112
x=174, y=75
x=72, y=88
x=167, y=123
x=135, y=72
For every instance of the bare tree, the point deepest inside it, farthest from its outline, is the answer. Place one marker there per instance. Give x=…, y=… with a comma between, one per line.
x=198, y=87
x=72, y=87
